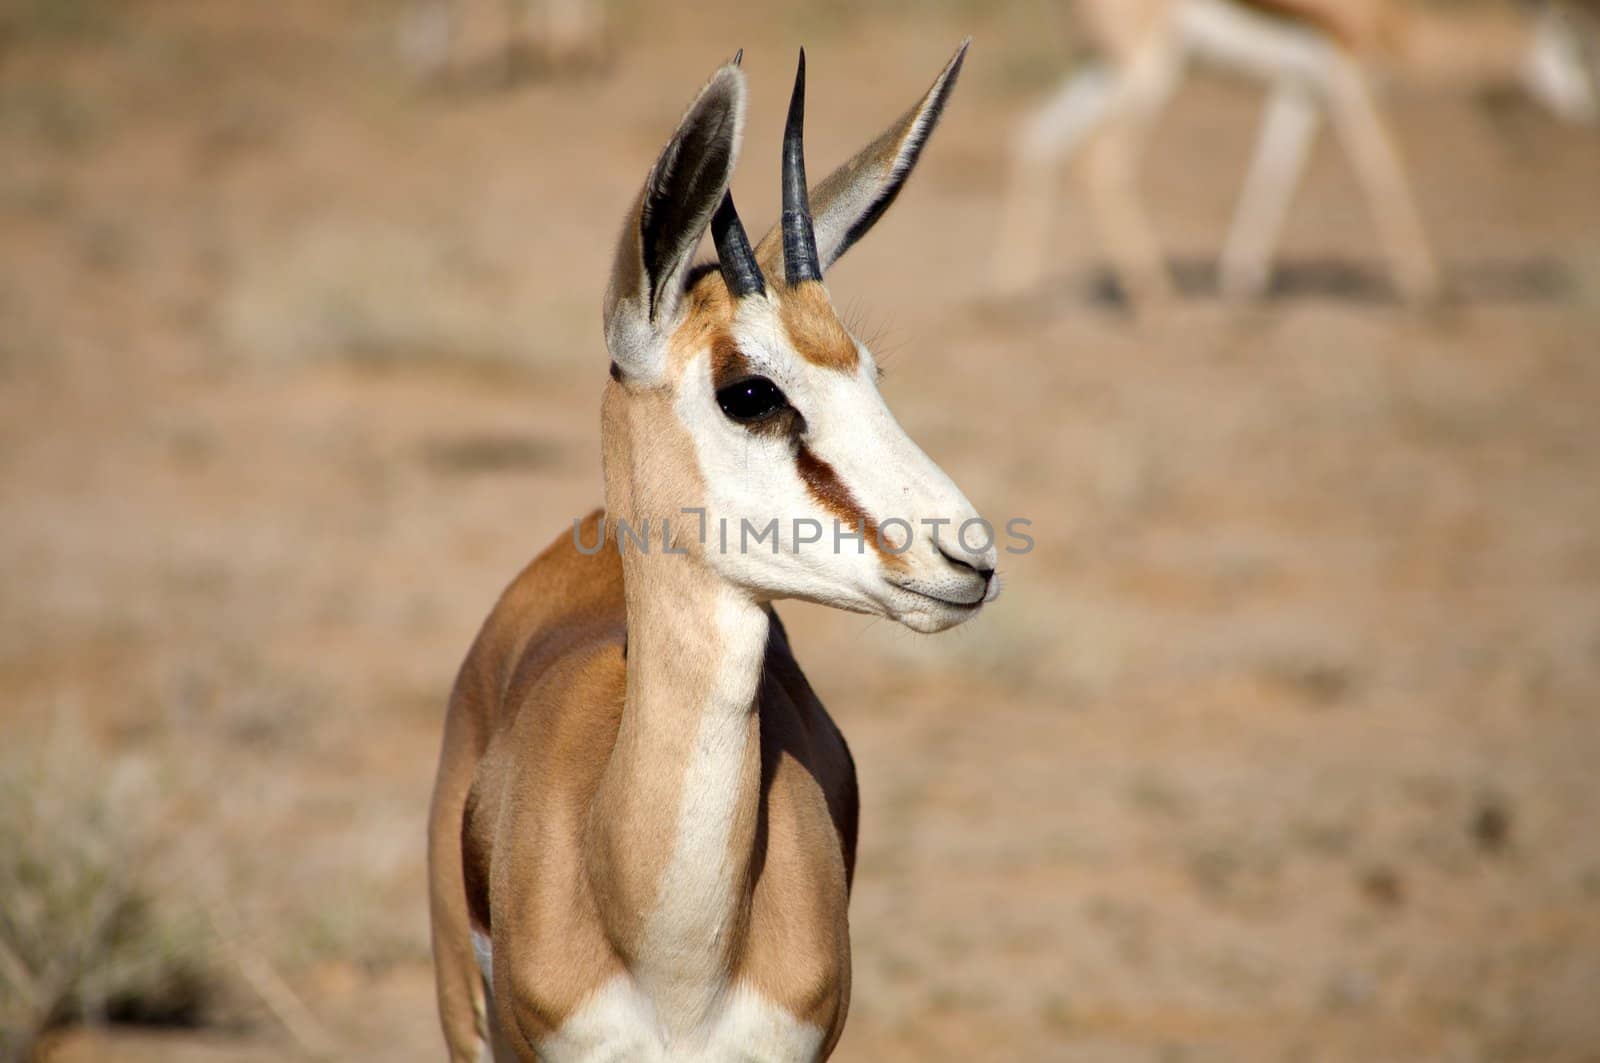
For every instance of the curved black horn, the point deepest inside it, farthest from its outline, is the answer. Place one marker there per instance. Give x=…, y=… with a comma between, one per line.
x=800, y=262
x=739, y=267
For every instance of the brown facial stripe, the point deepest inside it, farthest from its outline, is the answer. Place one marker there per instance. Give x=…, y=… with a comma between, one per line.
x=832, y=495
x=814, y=329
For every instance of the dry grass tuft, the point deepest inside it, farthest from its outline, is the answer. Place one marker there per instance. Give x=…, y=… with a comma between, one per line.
x=86, y=933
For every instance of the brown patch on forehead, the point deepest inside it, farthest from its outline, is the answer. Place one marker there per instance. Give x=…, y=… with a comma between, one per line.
x=814, y=329
x=707, y=321
x=830, y=492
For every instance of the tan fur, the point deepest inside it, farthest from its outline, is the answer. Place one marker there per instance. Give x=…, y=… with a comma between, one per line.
x=708, y=319
x=558, y=629
x=536, y=727
x=795, y=899
x=640, y=801
x=1360, y=25
x=1469, y=44
x=808, y=317
x=554, y=802
x=1123, y=27
x=1480, y=45
x=814, y=329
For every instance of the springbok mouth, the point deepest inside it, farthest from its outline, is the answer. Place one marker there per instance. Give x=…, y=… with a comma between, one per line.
x=972, y=605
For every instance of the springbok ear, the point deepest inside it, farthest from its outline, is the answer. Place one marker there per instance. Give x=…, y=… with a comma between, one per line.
x=665, y=225
x=851, y=199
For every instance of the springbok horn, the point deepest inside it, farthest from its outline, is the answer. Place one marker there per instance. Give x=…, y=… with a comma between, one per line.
x=800, y=261
x=739, y=267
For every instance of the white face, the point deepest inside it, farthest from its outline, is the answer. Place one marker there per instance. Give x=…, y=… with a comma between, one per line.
x=810, y=445
x=1560, y=71
x=740, y=394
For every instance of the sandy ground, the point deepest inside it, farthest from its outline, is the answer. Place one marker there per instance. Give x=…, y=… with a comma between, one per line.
x=1281, y=744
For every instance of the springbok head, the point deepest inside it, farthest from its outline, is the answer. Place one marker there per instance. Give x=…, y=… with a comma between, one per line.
x=737, y=392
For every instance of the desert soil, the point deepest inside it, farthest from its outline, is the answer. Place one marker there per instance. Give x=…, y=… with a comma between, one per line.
x=1281, y=744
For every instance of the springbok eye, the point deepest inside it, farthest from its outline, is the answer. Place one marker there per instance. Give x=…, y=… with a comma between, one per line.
x=752, y=399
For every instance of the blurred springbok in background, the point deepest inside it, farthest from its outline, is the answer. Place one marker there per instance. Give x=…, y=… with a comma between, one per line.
x=644, y=823
x=1317, y=55
x=555, y=35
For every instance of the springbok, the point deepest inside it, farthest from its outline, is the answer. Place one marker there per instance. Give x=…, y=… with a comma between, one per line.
x=643, y=828
x=1316, y=54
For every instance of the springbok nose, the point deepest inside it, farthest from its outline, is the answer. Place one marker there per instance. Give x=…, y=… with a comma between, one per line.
x=961, y=562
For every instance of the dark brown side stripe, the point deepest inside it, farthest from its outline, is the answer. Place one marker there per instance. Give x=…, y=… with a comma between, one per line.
x=474, y=867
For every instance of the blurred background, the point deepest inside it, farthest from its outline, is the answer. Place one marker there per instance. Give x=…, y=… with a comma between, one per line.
x=1281, y=744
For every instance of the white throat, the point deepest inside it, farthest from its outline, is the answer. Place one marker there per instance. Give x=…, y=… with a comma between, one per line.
x=684, y=947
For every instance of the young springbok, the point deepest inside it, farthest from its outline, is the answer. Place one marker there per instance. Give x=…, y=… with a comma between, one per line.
x=1316, y=54
x=644, y=824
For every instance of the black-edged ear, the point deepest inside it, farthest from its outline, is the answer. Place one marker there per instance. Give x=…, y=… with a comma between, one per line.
x=665, y=225
x=851, y=199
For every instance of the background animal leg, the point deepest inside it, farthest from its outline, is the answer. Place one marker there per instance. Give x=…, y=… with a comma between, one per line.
x=1044, y=141
x=1383, y=179
x=1111, y=175
x=1287, y=133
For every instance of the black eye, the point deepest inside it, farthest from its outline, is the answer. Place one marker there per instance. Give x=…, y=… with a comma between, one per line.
x=751, y=399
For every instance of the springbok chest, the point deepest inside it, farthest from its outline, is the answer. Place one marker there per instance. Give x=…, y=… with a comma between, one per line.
x=619, y=1023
